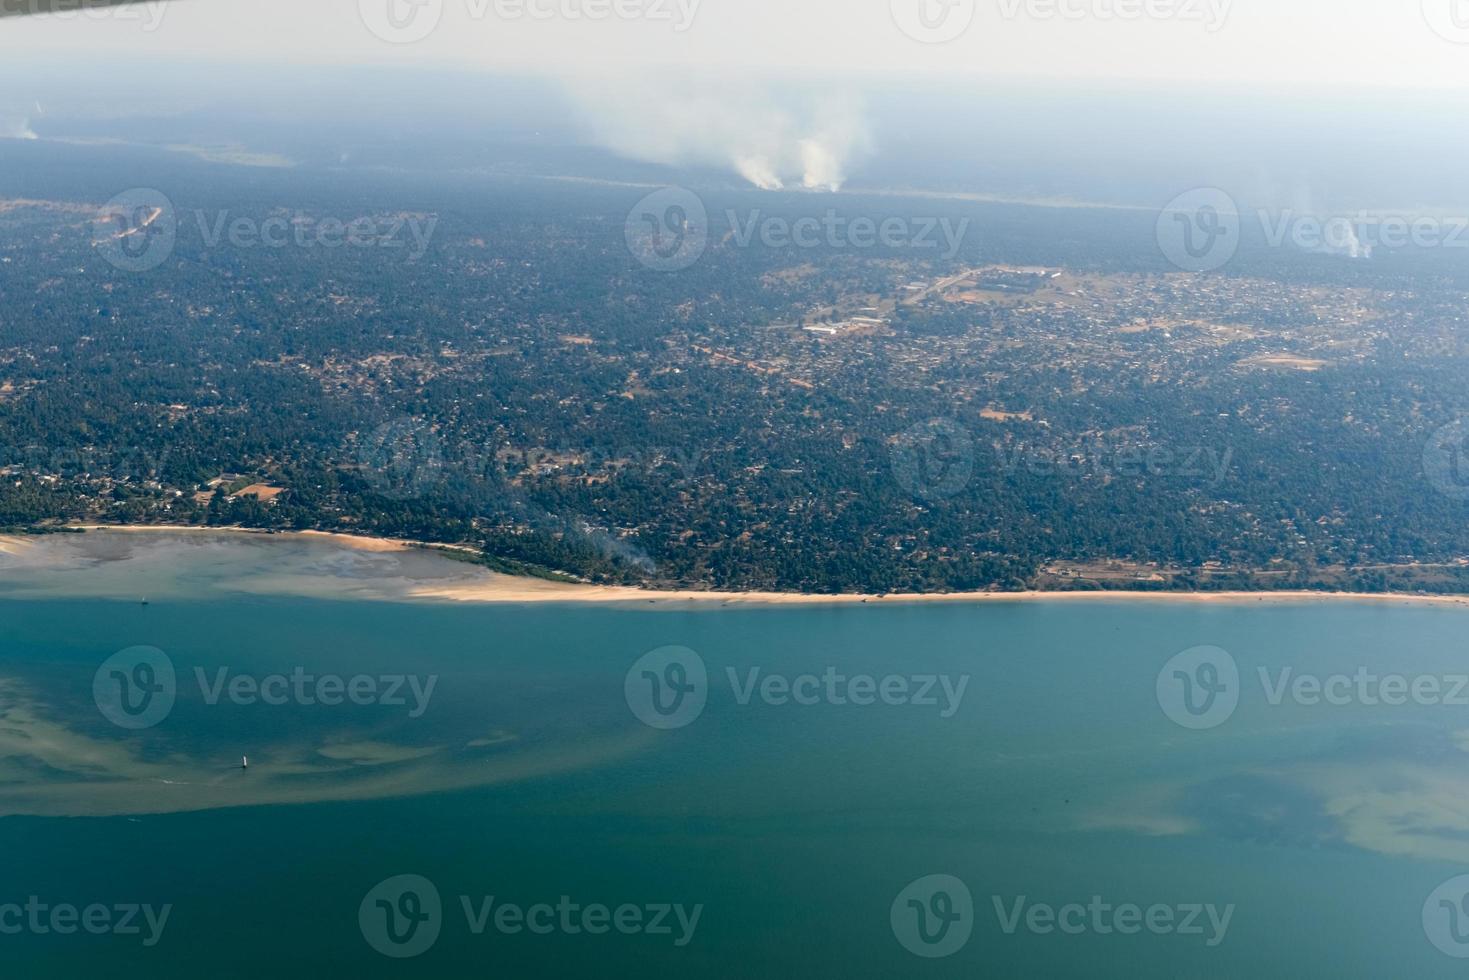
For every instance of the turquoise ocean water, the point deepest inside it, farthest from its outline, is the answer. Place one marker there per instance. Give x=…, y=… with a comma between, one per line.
x=793, y=828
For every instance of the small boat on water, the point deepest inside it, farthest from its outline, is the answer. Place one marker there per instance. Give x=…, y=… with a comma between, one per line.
x=244, y=762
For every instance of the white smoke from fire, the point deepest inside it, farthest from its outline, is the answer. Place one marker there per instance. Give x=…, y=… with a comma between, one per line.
x=1341, y=239
x=17, y=129
x=1338, y=233
x=769, y=137
x=755, y=169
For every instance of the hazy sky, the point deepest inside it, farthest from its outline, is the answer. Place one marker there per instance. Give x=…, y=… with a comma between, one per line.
x=1297, y=42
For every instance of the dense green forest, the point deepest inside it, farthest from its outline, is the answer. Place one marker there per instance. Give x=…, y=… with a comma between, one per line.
x=526, y=386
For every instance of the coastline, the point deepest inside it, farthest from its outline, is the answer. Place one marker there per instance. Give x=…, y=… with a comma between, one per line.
x=357, y=542
x=483, y=586
x=559, y=592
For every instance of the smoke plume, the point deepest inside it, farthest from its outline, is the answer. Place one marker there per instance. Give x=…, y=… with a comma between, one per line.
x=772, y=138
x=1339, y=234
x=16, y=128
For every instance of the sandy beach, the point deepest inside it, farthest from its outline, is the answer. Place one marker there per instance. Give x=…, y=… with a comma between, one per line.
x=467, y=583
x=513, y=589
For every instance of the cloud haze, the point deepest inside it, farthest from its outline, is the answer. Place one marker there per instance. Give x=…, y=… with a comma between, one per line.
x=1320, y=43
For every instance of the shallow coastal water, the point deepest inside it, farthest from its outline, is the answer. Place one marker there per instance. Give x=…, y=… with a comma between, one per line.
x=1050, y=770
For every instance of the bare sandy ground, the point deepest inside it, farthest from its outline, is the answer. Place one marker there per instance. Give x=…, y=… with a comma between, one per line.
x=511, y=589
x=484, y=586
